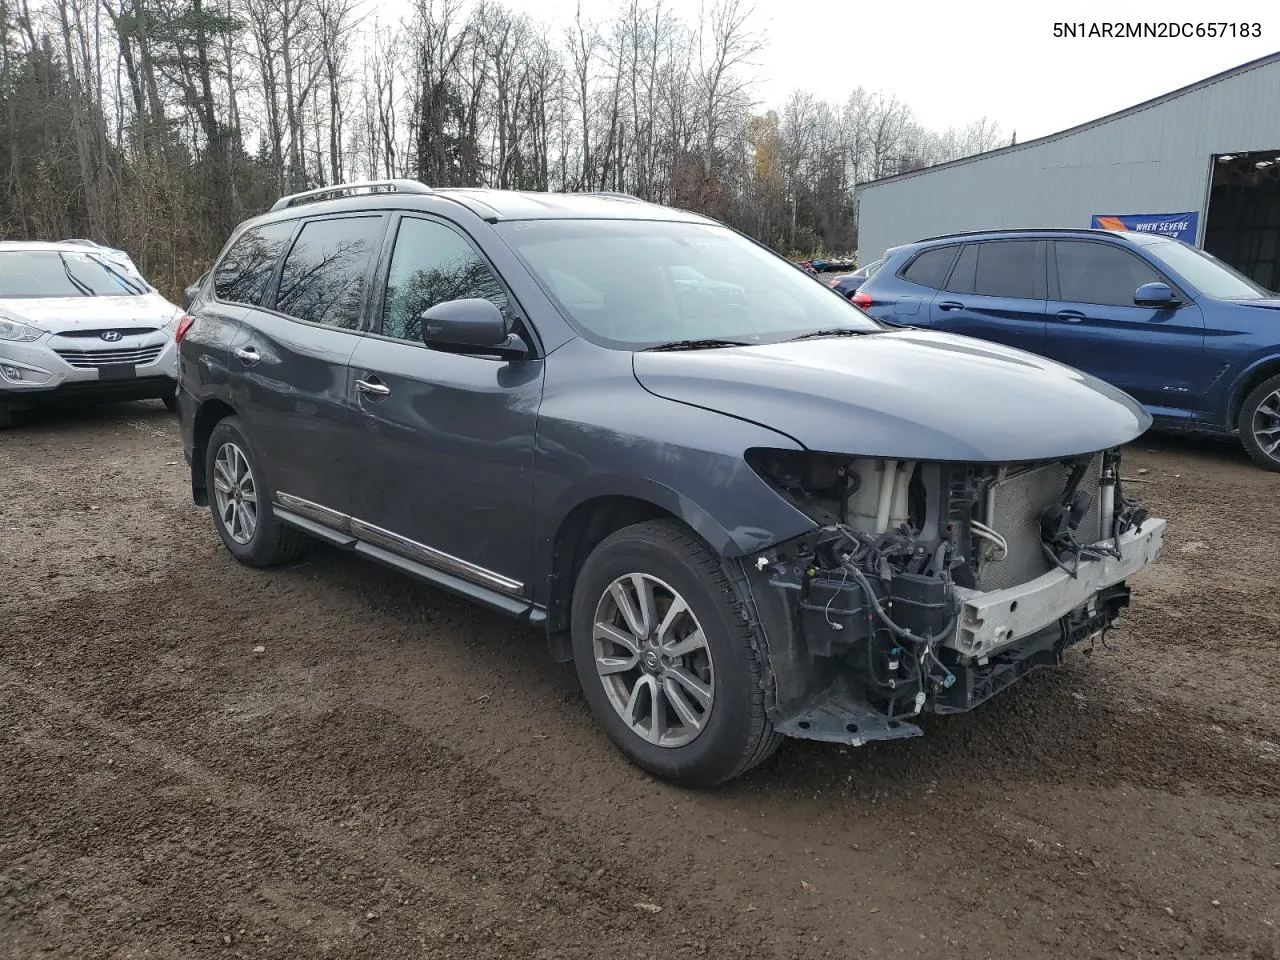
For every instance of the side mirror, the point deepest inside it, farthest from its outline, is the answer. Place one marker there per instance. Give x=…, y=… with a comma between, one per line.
x=1155, y=295
x=189, y=295
x=473, y=325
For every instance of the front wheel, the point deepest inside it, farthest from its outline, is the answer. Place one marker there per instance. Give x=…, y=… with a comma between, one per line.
x=241, y=503
x=1260, y=423
x=666, y=658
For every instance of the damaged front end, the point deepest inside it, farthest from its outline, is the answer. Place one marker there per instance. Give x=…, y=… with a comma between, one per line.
x=932, y=586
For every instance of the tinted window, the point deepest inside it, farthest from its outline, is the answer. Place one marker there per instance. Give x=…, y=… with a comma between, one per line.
x=245, y=271
x=323, y=277
x=432, y=264
x=1100, y=273
x=966, y=271
x=1006, y=268
x=930, y=268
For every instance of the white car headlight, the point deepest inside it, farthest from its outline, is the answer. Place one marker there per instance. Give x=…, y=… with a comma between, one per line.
x=12, y=330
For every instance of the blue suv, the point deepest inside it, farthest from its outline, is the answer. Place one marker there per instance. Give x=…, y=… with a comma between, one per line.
x=1191, y=339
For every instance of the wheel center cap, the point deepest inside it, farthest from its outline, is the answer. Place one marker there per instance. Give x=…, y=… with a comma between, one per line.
x=652, y=661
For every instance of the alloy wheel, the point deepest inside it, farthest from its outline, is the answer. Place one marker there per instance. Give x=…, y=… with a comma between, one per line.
x=235, y=495
x=1266, y=425
x=653, y=659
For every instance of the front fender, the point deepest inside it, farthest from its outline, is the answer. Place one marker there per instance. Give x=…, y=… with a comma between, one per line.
x=604, y=435
x=1257, y=370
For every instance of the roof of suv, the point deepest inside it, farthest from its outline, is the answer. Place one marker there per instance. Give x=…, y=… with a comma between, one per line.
x=488, y=204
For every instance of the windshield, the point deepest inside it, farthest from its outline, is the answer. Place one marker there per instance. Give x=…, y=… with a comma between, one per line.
x=60, y=273
x=635, y=284
x=1206, y=273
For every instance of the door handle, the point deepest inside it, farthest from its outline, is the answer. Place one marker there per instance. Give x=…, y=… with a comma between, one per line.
x=373, y=387
x=249, y=355
x=950, y=305
x=1070, y=316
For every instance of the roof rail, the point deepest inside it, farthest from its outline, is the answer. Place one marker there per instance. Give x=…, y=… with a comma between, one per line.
x=978, y=233
x=611, y=194
x=350, y=189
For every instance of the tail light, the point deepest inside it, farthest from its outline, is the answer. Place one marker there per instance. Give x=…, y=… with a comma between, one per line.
x=862, y=300
x=184, y=324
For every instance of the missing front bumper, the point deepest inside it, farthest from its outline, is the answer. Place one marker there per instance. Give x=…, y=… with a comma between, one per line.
x=990, y=622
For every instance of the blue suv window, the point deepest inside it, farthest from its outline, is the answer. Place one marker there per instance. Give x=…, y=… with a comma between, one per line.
x=1006, y=268
x=1100, y=273
x=930, y=268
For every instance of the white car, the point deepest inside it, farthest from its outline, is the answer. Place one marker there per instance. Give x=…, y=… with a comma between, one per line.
x=78, y=320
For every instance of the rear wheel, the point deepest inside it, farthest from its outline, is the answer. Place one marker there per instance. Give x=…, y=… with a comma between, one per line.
x=170, y=402
x=1260, y=423
x=241, y=503
x=6, y=415
x=666, y=658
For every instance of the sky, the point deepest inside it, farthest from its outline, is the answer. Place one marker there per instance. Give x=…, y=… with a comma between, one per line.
x=955, y=62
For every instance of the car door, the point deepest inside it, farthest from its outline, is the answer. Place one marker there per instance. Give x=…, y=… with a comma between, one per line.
x=443, y=455
x=1155, y=354
x=289, y=363
x=996, y=291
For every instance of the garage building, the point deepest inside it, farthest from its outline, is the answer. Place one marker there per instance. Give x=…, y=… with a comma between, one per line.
x=1201, y=163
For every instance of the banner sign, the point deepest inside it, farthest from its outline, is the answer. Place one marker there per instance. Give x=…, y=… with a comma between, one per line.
x=1180, y=226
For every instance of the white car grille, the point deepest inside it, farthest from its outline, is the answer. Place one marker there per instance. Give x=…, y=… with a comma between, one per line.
x=98, y=358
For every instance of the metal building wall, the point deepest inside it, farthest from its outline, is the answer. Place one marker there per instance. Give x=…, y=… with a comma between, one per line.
x=1150, y=159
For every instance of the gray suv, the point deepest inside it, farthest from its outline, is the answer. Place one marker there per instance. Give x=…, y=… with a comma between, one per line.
x=743, y=508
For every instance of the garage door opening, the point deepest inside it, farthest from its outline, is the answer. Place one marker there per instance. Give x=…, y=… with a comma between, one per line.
x=1243, y=223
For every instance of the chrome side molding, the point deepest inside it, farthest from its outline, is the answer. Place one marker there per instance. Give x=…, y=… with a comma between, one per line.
x=389, y=540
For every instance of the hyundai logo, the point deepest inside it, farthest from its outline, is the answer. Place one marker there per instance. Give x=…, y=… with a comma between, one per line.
x=111, y=336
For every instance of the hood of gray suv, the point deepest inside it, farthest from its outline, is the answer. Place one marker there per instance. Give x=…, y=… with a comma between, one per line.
x=907, y=394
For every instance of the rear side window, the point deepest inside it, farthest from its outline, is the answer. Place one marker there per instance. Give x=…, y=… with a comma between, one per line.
x=323, y=278
x=432, y=264
x=1100, y=273
x=930, y=268
x=243, y=274
x=1006, y=268
x=966, y=271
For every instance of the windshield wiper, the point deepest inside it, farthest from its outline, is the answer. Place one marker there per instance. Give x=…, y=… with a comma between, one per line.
x=706, y=344
x=832, y=332
x=124, y=281
x=84, y=288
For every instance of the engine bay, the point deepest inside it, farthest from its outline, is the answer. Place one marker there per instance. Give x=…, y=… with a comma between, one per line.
x=881, y=597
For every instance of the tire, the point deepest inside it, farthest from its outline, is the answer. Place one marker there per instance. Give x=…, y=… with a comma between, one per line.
x=1259, y=423
x=732, y=733
x=265, y=542
x=170, y=402
x=6, y=415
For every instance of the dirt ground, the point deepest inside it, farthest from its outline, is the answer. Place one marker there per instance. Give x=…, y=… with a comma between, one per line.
x=399, y=774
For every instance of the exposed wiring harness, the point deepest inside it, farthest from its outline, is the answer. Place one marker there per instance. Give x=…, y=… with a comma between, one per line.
x=854, y=552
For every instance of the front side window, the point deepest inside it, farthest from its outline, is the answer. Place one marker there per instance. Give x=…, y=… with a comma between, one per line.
x=243, y=274
x=323, y=277
x=1007, y=268
x=26, y=274
x=1100, y=273
x=633, y=284
x=1209, y=275
x=432, y=264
